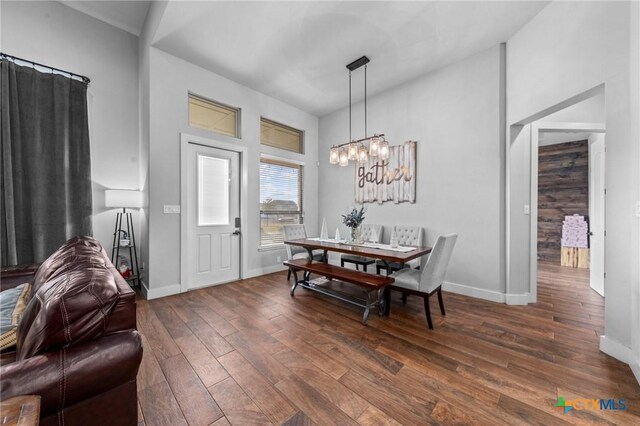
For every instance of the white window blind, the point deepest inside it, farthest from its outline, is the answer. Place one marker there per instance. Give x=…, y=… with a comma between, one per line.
x=213, y=191
x=280, y=199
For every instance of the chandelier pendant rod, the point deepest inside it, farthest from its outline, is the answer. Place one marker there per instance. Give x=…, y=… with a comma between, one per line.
x=365, y=101
x=350, y=105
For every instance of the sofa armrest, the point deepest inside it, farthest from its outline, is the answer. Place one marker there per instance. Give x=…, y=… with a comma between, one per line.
x=66, y=377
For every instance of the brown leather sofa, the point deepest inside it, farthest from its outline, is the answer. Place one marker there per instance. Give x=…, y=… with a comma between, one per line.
x=78, y=347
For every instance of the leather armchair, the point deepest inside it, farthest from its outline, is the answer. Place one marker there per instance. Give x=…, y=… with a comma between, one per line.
x=78, y=347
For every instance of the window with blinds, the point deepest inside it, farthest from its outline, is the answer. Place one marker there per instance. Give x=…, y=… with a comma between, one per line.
x=280, y=136
x=213, y=116
x=280, y=199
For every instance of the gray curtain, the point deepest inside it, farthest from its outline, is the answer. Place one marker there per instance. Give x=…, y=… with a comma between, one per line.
x=46, y=167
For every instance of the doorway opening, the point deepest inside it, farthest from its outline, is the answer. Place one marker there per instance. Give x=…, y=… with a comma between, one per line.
x=582, y=113
x=570, y=212
x=575, y=172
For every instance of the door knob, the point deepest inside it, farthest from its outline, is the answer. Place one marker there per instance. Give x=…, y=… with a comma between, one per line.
x=236, y=232
x=591, y=234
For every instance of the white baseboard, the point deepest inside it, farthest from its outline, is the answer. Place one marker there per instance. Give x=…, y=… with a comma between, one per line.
x=465, y=290
x=265, y=270
x=615, y=349
x=156, y=293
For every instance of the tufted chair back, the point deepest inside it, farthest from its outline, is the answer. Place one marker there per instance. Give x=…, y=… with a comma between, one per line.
x=409, y=235
x=367, y=230
x=294, y=232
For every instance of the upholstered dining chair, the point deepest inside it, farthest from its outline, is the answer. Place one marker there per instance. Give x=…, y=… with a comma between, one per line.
x=407, y=236
x=298, y=232
x=368, y=232
x=429, y=279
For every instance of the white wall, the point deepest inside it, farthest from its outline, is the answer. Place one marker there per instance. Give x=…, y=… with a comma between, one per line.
x=634, y=73
x=154, y=16
x=567, y=49
x=453, y=114
x=591, y=110
x=54, y=34
x=171, y=79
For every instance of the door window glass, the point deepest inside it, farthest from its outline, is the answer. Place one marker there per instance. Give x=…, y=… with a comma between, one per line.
x=213, y=191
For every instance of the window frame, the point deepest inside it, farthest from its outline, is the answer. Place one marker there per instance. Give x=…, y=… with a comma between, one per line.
x=287, y=162
x=285, y=127
x=238, y=112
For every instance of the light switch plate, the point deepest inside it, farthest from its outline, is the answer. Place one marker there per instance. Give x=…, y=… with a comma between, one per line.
x=170, y=209
x=527, y=209
x=637, y=208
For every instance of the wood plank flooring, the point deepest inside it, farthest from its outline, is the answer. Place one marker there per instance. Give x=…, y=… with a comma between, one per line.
x=248, y=353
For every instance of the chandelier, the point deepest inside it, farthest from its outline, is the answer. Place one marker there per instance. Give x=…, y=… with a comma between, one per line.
x=357, y=150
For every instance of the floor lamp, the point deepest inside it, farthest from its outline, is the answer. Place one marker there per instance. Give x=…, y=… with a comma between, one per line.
x=124, y=237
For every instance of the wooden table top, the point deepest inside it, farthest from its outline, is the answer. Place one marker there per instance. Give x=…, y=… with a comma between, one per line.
x=20, y=411
x=376, y=253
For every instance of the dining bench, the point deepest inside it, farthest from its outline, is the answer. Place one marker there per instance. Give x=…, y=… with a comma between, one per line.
x=369, y=283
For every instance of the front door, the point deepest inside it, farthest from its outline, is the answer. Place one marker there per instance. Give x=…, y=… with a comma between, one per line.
x=213, y=188
x=596, y=212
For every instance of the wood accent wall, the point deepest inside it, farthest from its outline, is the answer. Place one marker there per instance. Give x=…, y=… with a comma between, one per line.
x=563, y=189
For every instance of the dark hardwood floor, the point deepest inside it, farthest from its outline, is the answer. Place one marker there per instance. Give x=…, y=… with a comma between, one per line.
x=248, y=353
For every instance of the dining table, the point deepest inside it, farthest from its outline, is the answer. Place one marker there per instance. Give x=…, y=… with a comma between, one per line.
x=384, y=252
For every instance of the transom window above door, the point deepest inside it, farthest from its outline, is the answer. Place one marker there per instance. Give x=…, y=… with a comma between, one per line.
x=213, y=116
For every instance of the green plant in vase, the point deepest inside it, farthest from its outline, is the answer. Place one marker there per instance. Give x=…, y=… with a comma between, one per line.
x=353, y=220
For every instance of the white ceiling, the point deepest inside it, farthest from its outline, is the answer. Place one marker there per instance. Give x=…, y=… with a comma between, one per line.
x=127, y=15
x=297, y=51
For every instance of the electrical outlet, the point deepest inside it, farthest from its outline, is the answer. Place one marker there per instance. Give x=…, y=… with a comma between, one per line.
x=279, y=259
x=170, y=209
x=527, y=209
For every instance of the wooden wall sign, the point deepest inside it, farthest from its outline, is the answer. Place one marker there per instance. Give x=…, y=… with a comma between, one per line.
x=393, y=179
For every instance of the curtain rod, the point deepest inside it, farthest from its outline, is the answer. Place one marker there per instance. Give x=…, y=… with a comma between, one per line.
x=15, y=58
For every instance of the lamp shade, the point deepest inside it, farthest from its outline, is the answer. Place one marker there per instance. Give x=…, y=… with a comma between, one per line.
x=123, y=198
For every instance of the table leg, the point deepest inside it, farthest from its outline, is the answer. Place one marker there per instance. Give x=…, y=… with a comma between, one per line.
x=381, y=302
x=295, y=281
x=365, y=317
x=305, y=278
x=387, y=267
x=387, y=301
x=387, y=291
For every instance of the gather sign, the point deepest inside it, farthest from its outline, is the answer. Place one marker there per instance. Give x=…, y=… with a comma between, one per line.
x=393, y=179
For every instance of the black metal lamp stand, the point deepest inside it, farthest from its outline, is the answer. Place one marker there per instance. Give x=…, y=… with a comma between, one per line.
x=133, y=253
